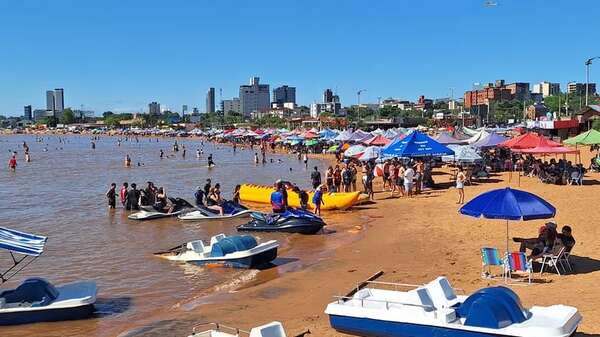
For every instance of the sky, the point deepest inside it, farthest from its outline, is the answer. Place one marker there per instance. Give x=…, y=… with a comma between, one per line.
x=119, y=55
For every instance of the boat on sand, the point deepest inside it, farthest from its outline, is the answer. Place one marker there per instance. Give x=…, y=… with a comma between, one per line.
x=273, y=329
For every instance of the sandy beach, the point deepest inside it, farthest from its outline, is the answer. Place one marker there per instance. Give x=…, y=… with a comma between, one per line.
x=414, y=241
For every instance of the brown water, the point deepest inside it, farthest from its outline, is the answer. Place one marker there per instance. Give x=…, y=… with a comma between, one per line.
x=61, y=194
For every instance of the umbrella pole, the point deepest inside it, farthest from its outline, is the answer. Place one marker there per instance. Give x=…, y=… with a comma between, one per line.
x=507, y=237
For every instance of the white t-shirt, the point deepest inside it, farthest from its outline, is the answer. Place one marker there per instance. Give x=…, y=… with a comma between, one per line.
x=409, y=175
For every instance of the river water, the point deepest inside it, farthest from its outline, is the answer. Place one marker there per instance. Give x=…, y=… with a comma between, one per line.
x=60, y=194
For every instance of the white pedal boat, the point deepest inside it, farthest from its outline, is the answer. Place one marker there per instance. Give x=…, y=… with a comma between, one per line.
x=238, y=251
x=435, y=310
x=273, y=329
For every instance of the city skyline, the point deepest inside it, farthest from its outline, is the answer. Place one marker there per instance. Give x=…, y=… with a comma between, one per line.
x=107, y=64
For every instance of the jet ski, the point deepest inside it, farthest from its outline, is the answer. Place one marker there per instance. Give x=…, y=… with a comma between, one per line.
x=152, y=212
x=290, y=221
x=230, y=210
x=238, y=251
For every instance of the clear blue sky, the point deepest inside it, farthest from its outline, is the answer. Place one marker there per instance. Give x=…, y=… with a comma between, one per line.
x=121, y=54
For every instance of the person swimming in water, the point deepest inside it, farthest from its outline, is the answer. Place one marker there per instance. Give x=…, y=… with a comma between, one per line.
x=198, y=153
x=211, y=163
x=162, y=154
x=127, y=161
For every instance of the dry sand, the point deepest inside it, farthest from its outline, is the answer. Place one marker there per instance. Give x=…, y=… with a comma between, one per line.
x=413, y=241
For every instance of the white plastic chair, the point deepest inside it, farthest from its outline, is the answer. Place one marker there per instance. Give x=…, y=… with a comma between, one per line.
x=554, y=259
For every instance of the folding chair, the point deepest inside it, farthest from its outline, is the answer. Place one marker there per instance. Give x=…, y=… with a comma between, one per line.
x=517, y=262
x=554, y=259
x=490, y=257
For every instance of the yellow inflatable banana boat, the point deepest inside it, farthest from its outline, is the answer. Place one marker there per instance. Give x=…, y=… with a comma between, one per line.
x=262, y=195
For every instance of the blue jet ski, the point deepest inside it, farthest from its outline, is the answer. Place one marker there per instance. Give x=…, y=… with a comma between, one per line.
x=290, y=221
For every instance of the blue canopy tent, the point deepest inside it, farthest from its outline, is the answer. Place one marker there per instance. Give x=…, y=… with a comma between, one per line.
x=28, y=245
x=508, y=204
x=328, y=134
x=416, y=144
x=493, y=139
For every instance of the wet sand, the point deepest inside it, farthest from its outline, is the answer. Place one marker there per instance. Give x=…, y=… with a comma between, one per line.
x=413, y=241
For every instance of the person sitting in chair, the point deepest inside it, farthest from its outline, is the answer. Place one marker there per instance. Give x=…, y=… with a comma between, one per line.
x=541, y=245
x=566, y=237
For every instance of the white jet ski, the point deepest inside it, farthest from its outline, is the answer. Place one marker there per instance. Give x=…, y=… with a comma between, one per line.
x=151, y=212
x=230, y=211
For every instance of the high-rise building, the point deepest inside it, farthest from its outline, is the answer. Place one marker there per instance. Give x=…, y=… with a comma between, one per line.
x=231, y=105
x=254, y=97
x=327, y=96
x=284, y=94
x=210, y=100
x=49, y=100
x=27, y=112
x=154, y=108
x=59, y=100
x=546, y=89
x=579, y=88
x=184, y=110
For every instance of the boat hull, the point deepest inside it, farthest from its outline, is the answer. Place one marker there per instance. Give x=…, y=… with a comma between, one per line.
x=46, y=315
x=308, y=229
x=377, y=328
x=246, y=262
x=331, y=201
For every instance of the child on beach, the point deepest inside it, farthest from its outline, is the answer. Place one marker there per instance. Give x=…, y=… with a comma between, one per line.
x=318, y=199
x=12, y=162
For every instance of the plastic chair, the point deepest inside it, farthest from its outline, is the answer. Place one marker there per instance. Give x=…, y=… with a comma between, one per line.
x=490, y=257
x=575, y=178
x=517, y=262
x=554, y=259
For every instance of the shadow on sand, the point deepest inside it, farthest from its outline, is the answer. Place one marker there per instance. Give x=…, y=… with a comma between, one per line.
x=580, y=265
x=280, y=261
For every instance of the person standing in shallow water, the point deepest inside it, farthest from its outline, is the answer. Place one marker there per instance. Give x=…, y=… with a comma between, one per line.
x=12, y=162
x=111, y=195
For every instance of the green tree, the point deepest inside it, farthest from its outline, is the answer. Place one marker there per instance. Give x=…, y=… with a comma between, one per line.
x=67, y=117
x=49, y=121
x=107, y=113
x=112, y=121
x=596, y=124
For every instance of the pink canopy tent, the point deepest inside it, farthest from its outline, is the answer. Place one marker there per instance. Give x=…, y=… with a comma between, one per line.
x=378, y=140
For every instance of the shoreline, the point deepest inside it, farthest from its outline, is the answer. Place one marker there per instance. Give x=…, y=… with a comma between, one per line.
x=413, y=240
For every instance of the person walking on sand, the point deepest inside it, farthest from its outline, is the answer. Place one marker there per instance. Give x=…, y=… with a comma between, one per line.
x=460, y=185
x=12, y=162
x=318, y=199
x=111, y=195
x=409, y=175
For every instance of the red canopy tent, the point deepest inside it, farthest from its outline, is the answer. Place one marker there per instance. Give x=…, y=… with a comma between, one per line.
x=378, y=140
x=528, y=141
x=546, y=146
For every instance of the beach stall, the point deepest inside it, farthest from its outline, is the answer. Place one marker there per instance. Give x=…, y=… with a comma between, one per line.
x=446, y=139
x=492, y=140
x=464, y=154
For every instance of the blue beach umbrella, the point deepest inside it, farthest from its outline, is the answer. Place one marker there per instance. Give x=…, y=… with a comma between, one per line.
x=508, y=204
